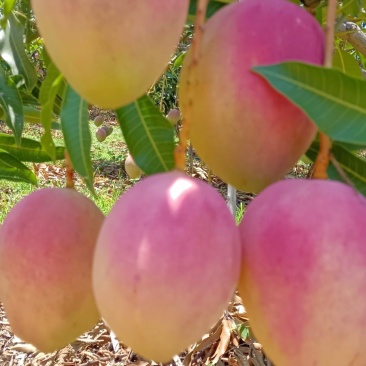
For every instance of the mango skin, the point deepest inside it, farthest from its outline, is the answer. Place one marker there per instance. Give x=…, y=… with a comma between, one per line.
x=111, y=52
x=166, y=264
x=303, y=275
x=244, y=130
x=46, y=248
x=132, y=170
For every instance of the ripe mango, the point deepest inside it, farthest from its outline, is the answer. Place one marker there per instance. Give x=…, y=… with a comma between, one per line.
x=166, y=264
x=246, y=132
x=111, y=51
x=303, y=274
x=46, y=249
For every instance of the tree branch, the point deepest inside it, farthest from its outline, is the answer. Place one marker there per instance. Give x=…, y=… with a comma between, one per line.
x=353, y=34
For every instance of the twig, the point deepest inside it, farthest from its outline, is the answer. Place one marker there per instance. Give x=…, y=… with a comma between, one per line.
x=69, y=171
x=180, y=151
x=322, y=160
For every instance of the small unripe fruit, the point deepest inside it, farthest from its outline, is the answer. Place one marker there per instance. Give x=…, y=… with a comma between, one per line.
x=246, y=132
x=108, y=130
x=121, y=47
x=98, y=120
x=169, y=235
x=173, y=116
x=132, y=170
x=47, y=244
x=101, y=134
x=303, y=277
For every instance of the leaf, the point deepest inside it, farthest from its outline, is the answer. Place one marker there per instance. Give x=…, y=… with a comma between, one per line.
x=343, y=61
x=212, y=7
x=75, y=128
x=352, y=165
x=11, y=105
x=28, y=149
x=334, y=101
x=47, y=96
x=12, y=49
x=12, y=169
x=149, y=136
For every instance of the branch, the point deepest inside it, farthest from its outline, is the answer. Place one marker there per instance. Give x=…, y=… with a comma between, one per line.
x=353, y=34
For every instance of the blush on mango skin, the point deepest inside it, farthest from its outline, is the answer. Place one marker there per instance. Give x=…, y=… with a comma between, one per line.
x=303, y=273
x=166, y=264
x=46, y=249
x=246, y=132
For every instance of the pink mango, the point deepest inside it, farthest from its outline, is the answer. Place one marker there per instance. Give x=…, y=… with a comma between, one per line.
x=46, y=250
x=166, y=264
x=246, y=132
x=303, y=272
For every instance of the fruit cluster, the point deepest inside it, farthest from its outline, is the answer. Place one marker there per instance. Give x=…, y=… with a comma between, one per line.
x=164, y=263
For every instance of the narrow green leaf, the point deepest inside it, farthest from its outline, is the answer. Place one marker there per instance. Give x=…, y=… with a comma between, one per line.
x=8, y=6
x=343, y=61
x=353, y=166
x=11, y=104
x=12, y=49
x=12, y=169
x=334, y=101
x=28, y=150
x=149, y=136
x=47, y=96
x=75, y=128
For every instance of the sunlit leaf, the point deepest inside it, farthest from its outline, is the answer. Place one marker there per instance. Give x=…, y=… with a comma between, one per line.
x=12, y=169
x=11, y=105
x=47, y=96
x=28, y=149
x=75, y=128
x=12, y=50
x=149, y=135
x=334, y=101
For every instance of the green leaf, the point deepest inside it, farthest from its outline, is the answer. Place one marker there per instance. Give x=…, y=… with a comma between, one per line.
x=352, y=165
x=28, y=149
x=11, y=105
x=343, y=61
x=47, y=96
x=12, y=169
x=12, y=49
x=334, y=101
x=212, y=7
x=149, y=136
x=75, y=128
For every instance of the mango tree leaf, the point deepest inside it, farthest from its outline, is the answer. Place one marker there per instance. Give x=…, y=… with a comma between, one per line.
x=212, y=7
x=28, y=150
x=149, y=135
x=343, y=61
x=47, y=96
x=353, y=166
x=12, y=169
x=11, y=105
x=334, y=101
x=75, y=128
x=12, y=50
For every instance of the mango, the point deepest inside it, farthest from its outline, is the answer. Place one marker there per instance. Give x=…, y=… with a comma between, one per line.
x=100, y=134
x=132, y=170
x=303, y=273
x=47, y=244
x=166, y=264
x=111, y=52
x=246, y=132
